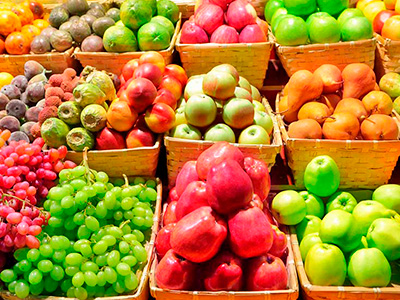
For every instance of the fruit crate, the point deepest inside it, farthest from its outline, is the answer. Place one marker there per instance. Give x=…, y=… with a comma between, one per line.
x=140, y=161
x=250, y=60
x=362, y=164
x=57, y=62
x=114, y=62
x=314, y=292
x=310, y=57
x=179, y=151
x=142, y=292
x=387, y=56
x=186, y=7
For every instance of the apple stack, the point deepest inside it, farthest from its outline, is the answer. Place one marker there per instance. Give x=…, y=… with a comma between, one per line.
x=217, y=234
x=340, y=238
x=222, y=106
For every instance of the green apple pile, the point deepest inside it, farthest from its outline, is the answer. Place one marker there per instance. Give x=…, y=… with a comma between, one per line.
x=340, y=237
x=222, y=106
x=299, y=22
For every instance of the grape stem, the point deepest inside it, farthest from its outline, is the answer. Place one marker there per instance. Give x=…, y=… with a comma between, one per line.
x=3, y=195
x=126, y=181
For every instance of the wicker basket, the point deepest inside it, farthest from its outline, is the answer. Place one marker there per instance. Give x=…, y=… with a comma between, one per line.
x=131, y=162
x=387, y=56
x=114, y=62
x=179, y=151
x=186, y=7
x=54, y=61
x=310, y=57
x=251, y=60
x=142, y=292
x=314, y=292
x=362, y=164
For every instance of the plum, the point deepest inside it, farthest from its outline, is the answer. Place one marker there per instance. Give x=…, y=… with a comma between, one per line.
x=16, y=108
x=32, y=68
x=11, y=123
x=35, y=91
x=21, y=82
x=11, y=91
x=18, y=136
x=3, y=101
x=26, y=128
x=32, y=114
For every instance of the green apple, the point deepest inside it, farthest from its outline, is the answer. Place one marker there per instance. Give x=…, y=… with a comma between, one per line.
x=388, y=195
x=181, y=102
x=244, y=83
x=194, y=86
x=288, y=207
x=259, y=106
x=368, y=211
x=341, y=200
x=238, y=113
x=316, y=15
x=200, y=110
x=291, y=31
x=339, y=227
x=264, y=120
x=242, y=93
x=307, y=242
x=315, y=205
x=180, y=116
x=270, y=9
x=310, y=224
x=186, y=131
x=220, y=132
x=323, y=30
x=322, y=176
x=369, y=268
x=254, y=134
x=396, y=105
x=277, y=17
x=356, y=29
x=255, y=94
x=325, y=265
x=333, y=7
x=301, y=7
x=348, y=14
x=384, y=234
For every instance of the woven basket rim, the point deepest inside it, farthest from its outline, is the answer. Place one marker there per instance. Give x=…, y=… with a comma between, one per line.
x=386, y=42
x=34, y=56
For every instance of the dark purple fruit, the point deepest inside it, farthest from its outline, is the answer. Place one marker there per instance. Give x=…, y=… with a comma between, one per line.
x=11, y=123
x=98, y=13
x=80, y=30
x=92, y=43
x=32, y=114
x=48, y=31
x=66, y=26
x=11, y=91
x=101, y=25
x=3, y=101
x=21, y=82
x=40, y=45
x=96, y=6
x=32, y=68
x=18, y=136
x=35, y=92
x=26, y=128
x=89, y=19
x=3, y=113
x=74, y=19
x=61, y=40
x=16, y=108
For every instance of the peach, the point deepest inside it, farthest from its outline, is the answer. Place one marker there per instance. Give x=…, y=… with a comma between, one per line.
x=139, y=94
x=165, y=96
x=129, y=69
x=173, y=85
x=160, y=117
x=176, y=71
x=120, y=116
x=150, y=72
x=154, y=58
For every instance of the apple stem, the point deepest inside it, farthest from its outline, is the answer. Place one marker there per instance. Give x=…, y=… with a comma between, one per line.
x=364, y=241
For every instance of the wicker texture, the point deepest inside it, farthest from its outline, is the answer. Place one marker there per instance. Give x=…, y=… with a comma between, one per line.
x=387, y=55
x=362, y=164
x=186, y=7
x=315, y=292
x=142, y=292
x=131, y=162
x=54, y=61
x=179, y=151
x=251, y=60
x=310, y=57
x=114, y=62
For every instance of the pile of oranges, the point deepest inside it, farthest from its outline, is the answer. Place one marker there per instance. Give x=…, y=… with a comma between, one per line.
x=19, y=24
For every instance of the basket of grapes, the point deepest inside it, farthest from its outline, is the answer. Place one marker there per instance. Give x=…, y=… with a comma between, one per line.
x=97, y=242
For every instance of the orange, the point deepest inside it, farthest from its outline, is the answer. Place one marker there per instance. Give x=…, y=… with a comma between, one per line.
x=18, y=43
x=36, y=8
x=2, y=46
x=9, y=22
x=30, y=31
x=41, y=24
x=24, y=14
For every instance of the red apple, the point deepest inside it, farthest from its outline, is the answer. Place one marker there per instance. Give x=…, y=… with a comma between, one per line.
x=178, y=72
x=193, y=34
x=263, y=25
x=256, y=202
x=221, y=3
x=129, y=68
x=194, y=196
x=381, y=18
x=229, y=187
x=266, y=273
x=240, y=14
x=172, y=195
x=140, y=137
x=268, y=214
x=199, y=235
x=216, y=154
x=252, y=34
x=185, y=176
x=140, y=93
x=108, y=139
x=209, y=17
x=279, y=245
x=170, y=214
x=173, y=85
x=225, y=34
x=175, y=273
x=259, y=175
x=165, y=96
x=160, y=117
x=223, y=273
x=162, y=242
x=150, y=72
x=250, y=233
